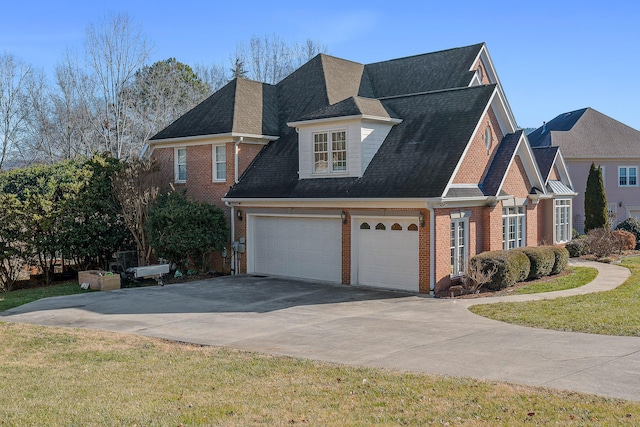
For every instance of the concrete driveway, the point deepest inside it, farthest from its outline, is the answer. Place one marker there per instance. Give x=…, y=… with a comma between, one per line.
x=343, y=324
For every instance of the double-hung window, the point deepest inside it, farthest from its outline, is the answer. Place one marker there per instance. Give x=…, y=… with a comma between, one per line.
x=628, y=176
x=562, y=221
x=330, y=152
x=180, y=156
x=219, y=162
x=513, y=227
x=458, y=248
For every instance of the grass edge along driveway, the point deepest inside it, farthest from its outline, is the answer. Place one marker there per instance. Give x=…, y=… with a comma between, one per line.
x=614, y=312
x=60, y=376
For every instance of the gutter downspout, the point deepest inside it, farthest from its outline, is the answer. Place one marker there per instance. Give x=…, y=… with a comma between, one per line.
x=432, y=269
x=232, y=264
x=236, y=148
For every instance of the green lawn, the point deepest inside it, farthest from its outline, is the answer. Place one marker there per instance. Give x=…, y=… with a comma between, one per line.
x=59, y=376
x=22, y=296
x=615, y=312
x=578, y=276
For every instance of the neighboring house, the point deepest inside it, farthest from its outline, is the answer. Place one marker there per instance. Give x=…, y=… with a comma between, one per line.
x=392, y=174
x=587, y=136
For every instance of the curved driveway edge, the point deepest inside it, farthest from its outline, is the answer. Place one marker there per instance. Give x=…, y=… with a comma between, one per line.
x=609, y=277
x=349, y=325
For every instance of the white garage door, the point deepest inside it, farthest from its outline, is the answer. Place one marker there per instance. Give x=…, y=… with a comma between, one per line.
x=635, y=214
x=308, y=248
x=388, y=253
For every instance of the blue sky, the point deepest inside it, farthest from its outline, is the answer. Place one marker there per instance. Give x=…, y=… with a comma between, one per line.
x=551, y=56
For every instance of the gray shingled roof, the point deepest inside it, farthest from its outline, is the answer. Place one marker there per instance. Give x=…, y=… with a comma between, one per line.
x=242, y=106
x=500, y=163
x=429, y=92
x=445, y=69
x=545, y=157
x=352, y=106
x=416, y=159
x=587, y=133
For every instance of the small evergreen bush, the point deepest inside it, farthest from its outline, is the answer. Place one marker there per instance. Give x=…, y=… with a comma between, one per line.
x=511, y=267
x=542, y=260
x=577, y=247
x=631, y=225
x=561, y=259
x=186, y=231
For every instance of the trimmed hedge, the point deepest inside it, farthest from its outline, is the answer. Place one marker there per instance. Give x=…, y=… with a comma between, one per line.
x=561, y=259
x=577, y=247
x=511, y=267
x=542, y=260
x=520, y=264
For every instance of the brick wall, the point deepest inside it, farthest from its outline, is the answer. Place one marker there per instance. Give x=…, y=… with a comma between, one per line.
x=424, y=255
x=200, y=185
x=478, y=236
x=517, y=183
x=477, y=160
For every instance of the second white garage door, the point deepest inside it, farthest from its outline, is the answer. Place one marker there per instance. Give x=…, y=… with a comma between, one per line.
x=387, y=253
x=308, y=248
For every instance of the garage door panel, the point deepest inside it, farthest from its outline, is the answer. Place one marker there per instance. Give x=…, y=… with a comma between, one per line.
x=388, y=257
x=309, y=248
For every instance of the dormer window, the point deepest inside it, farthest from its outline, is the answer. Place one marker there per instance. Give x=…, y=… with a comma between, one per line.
x=330, y=152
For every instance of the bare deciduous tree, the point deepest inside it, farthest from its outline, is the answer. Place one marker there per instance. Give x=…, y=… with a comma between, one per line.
x=268, y=59
x=15, y=79
x=115, y=51
x=161, y=93
x=214, y=75
x=136, y=188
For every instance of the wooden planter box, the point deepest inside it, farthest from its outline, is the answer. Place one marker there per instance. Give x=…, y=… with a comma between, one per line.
x=98, y=282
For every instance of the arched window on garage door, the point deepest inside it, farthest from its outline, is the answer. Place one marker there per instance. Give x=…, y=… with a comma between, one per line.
x=365, y=226
x=381, y=226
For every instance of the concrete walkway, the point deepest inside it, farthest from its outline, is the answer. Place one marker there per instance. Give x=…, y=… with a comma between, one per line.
x=350, y=325
x=609, y=277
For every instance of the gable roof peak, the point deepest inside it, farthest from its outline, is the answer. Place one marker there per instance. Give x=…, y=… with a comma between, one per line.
x=473, y=47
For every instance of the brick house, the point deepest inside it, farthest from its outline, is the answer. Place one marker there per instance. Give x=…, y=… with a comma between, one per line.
x=391, y=174
x=587, y=136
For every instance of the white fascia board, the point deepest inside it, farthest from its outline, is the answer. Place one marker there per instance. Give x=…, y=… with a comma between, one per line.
x=524, y=144
x=503, y=114
x=327, y=203
x=485, y=52
x=206, y=139
x=562, y=168
x=464, y=153
x=457, y=202
x=343, y=119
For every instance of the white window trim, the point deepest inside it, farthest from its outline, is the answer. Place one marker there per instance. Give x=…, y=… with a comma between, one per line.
x=568, y=225
x=464, y=221
x=627, y=176
x=214, y=162
x=519, y=217
x=488, y=138
x=176, y=165
x=329, y=170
